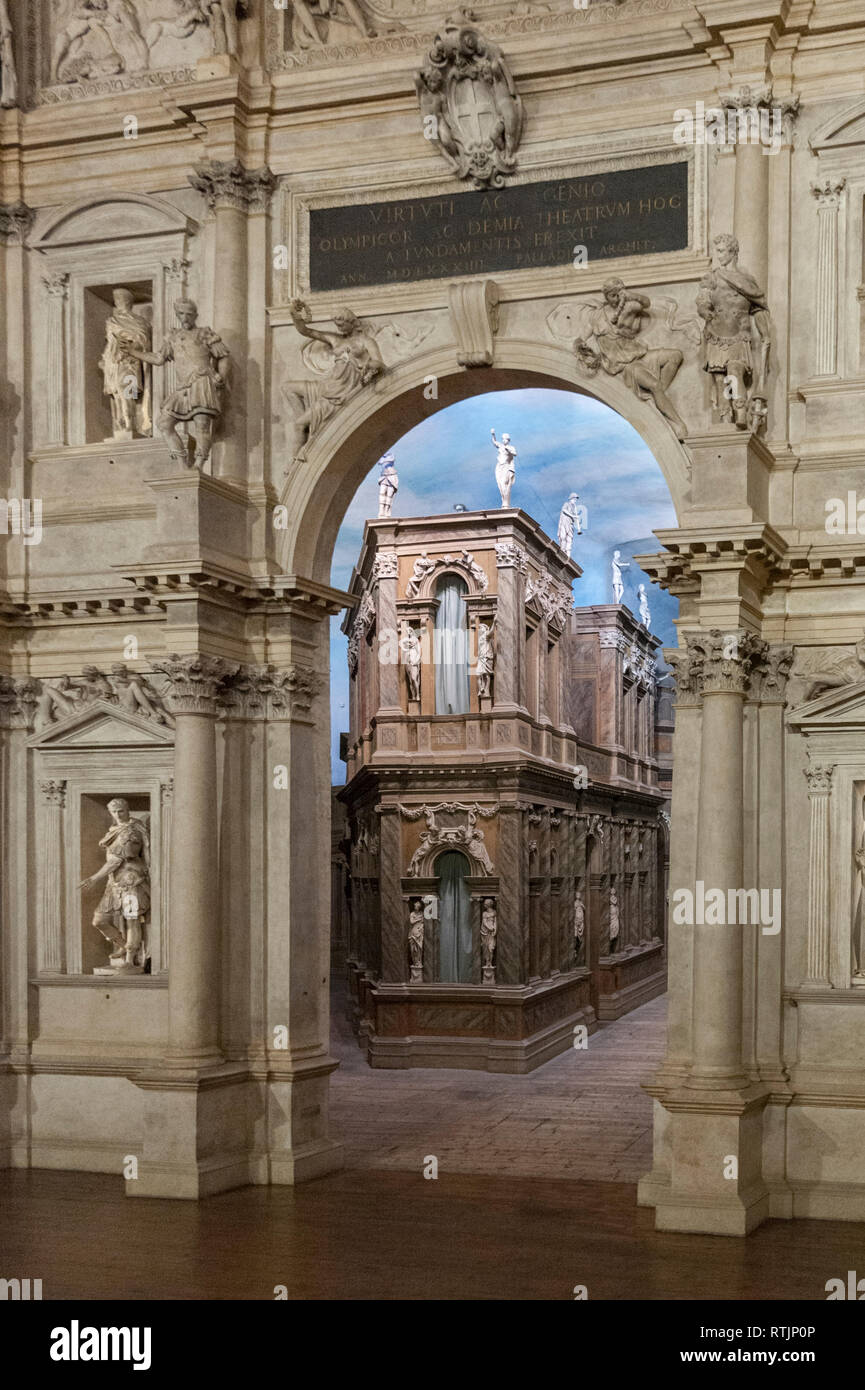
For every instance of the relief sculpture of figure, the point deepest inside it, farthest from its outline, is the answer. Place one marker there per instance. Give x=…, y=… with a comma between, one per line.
x=733, y=308
x=222, y=16
x=579, y=924
x=615, y=327
x=100, y=38
x=134, y=694
x=330, y=14
x=126, y=381
x=352, y=361
x=202, y=362
x=8, y=71
x=124, y=909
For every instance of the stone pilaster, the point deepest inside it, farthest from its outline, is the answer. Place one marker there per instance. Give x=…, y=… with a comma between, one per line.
x=511, y=563
x=167, y=794
x=57, y=291
x=819, y=790
x=828, y=193
x=231, y=191
x=50, y=934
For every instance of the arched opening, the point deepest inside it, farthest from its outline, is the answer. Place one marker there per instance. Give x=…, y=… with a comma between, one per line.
x=455, y=951
x=451, y=654
x=583, y=907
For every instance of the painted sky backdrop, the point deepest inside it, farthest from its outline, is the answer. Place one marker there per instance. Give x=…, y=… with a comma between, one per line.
x=565, y=443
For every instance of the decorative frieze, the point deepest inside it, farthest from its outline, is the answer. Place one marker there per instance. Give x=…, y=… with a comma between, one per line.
x=425, y=566
x=67, y=695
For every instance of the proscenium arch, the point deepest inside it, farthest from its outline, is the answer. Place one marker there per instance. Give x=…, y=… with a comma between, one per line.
x=336, y=461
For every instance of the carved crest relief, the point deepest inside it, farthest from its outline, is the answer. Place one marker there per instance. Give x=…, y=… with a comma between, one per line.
x=470, y=105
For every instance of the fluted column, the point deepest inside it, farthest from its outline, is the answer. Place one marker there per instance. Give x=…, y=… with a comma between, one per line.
x=57, y=290
x=50, y=936
x=230, y=191
x=725, y=662
x=193, y=987
x=166, y=841
x=828, y=194
x=819, y=788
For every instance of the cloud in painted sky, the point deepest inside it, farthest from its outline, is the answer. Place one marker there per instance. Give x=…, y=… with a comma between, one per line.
x=565, y=442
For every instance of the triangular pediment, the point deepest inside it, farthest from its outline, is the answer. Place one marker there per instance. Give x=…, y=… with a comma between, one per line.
x=102, y=725
x=841, y=129
x=842, y=708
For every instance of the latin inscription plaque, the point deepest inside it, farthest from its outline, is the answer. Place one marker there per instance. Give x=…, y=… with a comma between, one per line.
x=626, y=212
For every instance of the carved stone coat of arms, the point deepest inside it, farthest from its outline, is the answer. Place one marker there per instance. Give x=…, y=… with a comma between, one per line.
x=470, y=105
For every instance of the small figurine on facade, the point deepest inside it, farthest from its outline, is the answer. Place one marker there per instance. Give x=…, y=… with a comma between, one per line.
x=642, y=599
x=415, y=940
x=614, y=920
x=618, y=564
x=734, y=310
x=388, y=485
x=489, y=930
x=505, y=467
x=570, y=519
x=411, y=655
x=124, y=908
x=423, y=566
x=126, y=380
x=202, y=363
x=579, y=924
x=486, y=658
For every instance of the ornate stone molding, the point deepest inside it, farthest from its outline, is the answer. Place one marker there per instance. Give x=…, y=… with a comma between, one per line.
x=56, y=284
x=716, y=661
x=384, y=566
x=474, y=318
x=466, y=837
x=363, y=620
x=16, y=219
x=226, y=183
x=194, y=682
x=828, y=191
x=509, y=555
x=53, y=792
x=611, y=638
x=420, y=583
x=771, y=673
x=819, y=778
x=552, y=598
x=268, y=693
x=18, y=701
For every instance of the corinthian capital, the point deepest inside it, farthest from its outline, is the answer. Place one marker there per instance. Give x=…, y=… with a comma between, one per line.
x=194, y=682
x=828, y=191
x=16, y=219
x=819, y=777
x=226, y=183
x=771, y=672
x=721, y=661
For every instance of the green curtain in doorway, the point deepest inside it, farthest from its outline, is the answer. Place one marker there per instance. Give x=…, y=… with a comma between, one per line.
x=455, y=924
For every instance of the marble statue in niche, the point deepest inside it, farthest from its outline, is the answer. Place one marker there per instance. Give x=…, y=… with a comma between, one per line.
x=570, y=520
x=411, y=655
x=202, y=363
x=489, y=931
x=617, y=565
x=388, y=485
x=346, y=361
x=486, y=658
x=734, y=311
x=615, y=326
x=126, y=379
x=469, y=104
x=124, y=909
x=505, y=466
x=8, y=71
x=100, y=38
x=415, y=940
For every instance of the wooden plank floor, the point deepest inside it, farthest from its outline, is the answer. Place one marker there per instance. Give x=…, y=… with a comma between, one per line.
x=581, y=1115
x=390, y=1235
